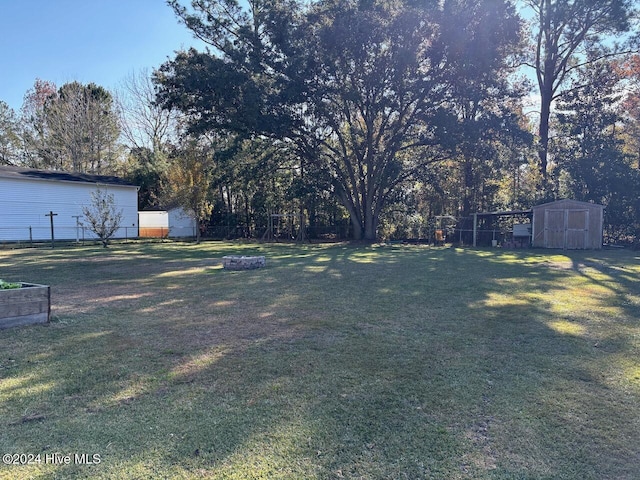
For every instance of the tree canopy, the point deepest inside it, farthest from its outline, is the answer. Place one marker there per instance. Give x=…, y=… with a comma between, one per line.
x=73, y=128
x=367, y=90
x=569, y=35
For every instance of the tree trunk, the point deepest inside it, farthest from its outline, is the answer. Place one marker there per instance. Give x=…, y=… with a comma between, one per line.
x=247, y=216
x=198, y=235
x=543, y=149
x=371, y=230
x=467, y=198
x=357, y=228
x=370, y=223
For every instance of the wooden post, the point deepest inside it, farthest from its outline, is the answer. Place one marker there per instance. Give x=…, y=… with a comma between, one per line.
x=51, y=215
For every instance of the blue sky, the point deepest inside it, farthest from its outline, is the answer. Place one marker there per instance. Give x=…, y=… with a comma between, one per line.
x=100, y=41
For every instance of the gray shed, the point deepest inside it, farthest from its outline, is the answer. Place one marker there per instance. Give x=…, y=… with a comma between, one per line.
x=567, y=224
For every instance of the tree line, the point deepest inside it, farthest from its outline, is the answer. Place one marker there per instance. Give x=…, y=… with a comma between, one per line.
x=363, y=118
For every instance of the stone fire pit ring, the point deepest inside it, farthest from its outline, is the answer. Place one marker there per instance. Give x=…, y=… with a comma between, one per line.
x=241, y=262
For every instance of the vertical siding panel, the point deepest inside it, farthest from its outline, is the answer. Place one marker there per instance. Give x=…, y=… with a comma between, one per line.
x=591, y=232
x=25, y=203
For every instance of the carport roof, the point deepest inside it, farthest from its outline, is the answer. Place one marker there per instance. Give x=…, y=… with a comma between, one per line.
x=504, y=213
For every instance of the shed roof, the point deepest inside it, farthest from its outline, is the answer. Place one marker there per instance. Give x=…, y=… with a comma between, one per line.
x=567, y=202
x=59, y=176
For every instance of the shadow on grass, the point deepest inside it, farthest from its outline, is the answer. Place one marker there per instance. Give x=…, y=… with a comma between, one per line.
x=334, y=361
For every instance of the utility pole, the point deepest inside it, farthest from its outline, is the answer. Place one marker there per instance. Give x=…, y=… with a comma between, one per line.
x=51, y=215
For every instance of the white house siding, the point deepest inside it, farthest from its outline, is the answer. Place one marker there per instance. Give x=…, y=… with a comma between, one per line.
x=25, y=202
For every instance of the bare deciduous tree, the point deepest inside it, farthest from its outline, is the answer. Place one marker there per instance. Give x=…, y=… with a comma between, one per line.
x=102, y=216
x=144, y=123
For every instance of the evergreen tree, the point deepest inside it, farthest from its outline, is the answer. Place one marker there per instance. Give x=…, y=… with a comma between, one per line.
x=569, y=35
x=9, y=136
x=591, y=158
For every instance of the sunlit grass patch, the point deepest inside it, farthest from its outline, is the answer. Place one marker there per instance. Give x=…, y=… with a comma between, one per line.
x=567, y=328
x=501, y=300
x=316, y=268
x=22, y=387
x=196, y=364
x=183, y=272
x=632, y=375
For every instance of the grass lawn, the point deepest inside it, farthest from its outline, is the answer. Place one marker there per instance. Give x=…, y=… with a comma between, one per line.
x=334, y=361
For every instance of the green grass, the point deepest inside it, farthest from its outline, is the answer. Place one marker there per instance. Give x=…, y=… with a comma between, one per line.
x=334, y=361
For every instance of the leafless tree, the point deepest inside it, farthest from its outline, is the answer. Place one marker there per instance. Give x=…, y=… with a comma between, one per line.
x=102, y=216
x=144, y=123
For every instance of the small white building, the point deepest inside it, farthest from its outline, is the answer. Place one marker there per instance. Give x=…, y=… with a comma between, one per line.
x=153, y=224
x=181, y=223
x=28, y=197
x=171, y=223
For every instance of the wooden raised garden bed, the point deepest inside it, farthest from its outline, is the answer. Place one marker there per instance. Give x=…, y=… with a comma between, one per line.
x=26, y=305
